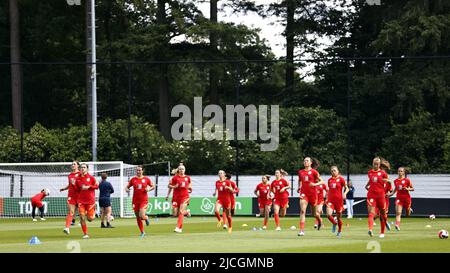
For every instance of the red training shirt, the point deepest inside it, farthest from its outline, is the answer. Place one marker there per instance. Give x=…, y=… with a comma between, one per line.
x=335, y=185
x=73, y=192
x=263, y=190
x=277, y=185
x=376, y=183
x=307, y=177
x=86, y=196
x=400, y=185
x=183, y=185
x=140, y=194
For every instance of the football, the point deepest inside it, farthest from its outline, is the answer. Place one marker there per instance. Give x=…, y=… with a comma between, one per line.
x=443, y=234
x=432, y=217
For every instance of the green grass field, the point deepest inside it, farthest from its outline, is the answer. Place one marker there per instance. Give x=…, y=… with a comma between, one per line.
x=200, y=234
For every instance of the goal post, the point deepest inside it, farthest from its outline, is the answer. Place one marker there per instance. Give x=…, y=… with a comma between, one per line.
x=158, y=172
x=19, y=182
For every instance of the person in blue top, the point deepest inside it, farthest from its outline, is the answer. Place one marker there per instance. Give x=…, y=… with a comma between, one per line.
x=106, y=189
x=349, y=200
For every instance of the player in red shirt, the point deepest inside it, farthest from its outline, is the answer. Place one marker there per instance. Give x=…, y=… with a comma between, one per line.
x=181, y=186
x=308, y=180
x=232, y=193
x=280, y=188
x=36, y=202
x=72, y=196
x=388, y=193
x=263, y=191
x=86, y=186
x=222, y=189
x=321, y=193
x=141, y=186
x=403, y=200
x=232, y=198
x=335, y=198
x=376, y=195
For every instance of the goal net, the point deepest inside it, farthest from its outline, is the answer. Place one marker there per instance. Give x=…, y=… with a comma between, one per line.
x=19, y=182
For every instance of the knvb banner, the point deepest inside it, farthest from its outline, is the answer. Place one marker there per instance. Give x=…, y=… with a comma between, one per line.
x=197, y=205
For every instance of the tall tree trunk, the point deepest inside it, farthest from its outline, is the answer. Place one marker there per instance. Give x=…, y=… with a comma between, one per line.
x=164, y=101
x=213, y=73
x=16, y=75
x=290, y=69
x=163, y=87
x=88, y=60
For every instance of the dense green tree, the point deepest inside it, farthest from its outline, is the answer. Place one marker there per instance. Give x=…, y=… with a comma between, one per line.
x=388, y=89
x=359, y=107
x=418, y=144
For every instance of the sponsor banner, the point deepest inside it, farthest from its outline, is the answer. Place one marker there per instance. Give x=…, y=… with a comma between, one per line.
x=421, y=207
x=197, y=205
x=53, y=206
x=57, y=206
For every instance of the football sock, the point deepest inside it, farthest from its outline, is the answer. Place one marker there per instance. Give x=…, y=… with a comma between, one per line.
x=84, y=228
x=331, y=219
x=33, y=212
x=370, y=220
x=218, y=216
x=383, y=220
x=68, y=220
x=229, y=220
x=140, y=225
x=180, y=221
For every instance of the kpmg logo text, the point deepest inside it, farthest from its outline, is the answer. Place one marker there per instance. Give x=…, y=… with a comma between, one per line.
x=214, y=129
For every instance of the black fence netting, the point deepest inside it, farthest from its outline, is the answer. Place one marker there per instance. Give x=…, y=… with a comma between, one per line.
x=341, y=111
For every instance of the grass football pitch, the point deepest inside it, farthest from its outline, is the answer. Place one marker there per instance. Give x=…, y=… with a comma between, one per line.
x=200, y=234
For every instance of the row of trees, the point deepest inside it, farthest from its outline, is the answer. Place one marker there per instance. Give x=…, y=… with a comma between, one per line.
x=396, y=107
x=306, y=131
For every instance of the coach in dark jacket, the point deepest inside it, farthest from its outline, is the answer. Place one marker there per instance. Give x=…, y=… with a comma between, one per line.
x=106, y=189
x=350, y=200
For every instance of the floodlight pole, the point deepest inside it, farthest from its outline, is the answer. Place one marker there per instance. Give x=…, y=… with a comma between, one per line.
x=349, y=91
x=93, y=70
x=93, y=83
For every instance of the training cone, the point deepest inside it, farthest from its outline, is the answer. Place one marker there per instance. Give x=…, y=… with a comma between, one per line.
x=244, y=225
x=34, y=241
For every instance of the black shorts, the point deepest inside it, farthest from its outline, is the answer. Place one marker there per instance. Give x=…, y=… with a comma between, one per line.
x=104, y=202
